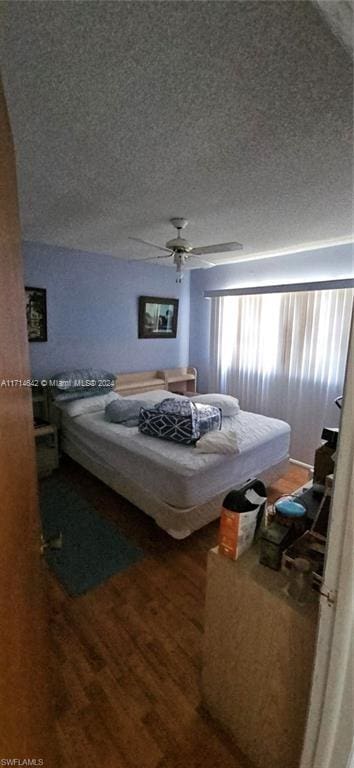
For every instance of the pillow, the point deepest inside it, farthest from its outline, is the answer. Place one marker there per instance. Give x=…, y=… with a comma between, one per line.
x=125, y=411
x=61, y=396
x=218, y=442
x=155, y=396
x=88, y=404
x=228, y=404
x=83, y=378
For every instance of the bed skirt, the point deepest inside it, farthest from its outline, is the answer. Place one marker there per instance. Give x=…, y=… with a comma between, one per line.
x=177, y=522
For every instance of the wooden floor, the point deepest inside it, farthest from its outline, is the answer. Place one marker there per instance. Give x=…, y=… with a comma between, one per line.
x=128, y=653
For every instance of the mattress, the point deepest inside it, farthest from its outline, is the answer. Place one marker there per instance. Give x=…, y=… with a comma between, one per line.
x=177, y=474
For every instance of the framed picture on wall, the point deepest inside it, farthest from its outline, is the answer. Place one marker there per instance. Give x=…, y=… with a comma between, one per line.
x=157, y=318
x=36, y=312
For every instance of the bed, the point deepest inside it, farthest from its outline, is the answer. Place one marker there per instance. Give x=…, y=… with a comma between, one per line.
x=180, y=488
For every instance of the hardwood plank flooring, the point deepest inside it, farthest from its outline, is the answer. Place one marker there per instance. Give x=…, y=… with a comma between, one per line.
x=128, y=653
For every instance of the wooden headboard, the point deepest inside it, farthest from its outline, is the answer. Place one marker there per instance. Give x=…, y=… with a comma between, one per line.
x=134, y=383
x=172, y=379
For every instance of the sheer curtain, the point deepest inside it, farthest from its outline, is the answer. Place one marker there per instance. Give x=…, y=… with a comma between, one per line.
x=284, y=355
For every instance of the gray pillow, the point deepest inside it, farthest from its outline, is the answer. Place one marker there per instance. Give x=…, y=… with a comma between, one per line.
x=125, y=411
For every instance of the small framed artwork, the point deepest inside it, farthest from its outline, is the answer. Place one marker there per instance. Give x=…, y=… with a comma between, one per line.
x=157, y=318
x=36, y=312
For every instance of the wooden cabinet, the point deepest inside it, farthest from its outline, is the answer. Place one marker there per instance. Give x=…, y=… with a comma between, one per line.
x=46, y=439
x=258, y=658
x=40, y=403
x=45, y=435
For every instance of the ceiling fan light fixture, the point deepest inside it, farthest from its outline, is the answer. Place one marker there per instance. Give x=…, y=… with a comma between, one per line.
x=179, y=273
x=179, y=260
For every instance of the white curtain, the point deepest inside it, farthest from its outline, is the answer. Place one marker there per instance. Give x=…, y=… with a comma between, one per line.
x=284, y=355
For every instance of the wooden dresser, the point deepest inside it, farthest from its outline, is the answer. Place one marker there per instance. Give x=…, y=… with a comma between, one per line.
x=258, y=656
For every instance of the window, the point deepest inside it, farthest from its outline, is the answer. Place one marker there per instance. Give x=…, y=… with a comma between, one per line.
x=284, y=355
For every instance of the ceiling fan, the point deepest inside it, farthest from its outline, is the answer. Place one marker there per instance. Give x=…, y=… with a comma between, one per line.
x=181, y=251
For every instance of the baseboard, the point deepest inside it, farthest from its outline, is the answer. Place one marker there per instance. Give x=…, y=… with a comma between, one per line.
x=309, y=467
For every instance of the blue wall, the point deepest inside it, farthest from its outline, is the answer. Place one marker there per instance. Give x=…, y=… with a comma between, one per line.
x=322, y=264
x=92, y=304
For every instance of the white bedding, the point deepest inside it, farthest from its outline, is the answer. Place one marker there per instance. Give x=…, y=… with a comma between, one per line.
x=178, y=475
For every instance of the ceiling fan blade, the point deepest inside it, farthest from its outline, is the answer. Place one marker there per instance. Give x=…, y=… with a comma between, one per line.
x=153, y=258
x=192, y=255
x=152, y=245
x=217, y=248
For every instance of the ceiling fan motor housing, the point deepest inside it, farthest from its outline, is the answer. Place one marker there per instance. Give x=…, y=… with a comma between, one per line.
x=179, y=244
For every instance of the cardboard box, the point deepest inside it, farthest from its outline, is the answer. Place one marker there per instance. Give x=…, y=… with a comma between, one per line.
x=311, y=546
x=324, y=464
x=273, y=542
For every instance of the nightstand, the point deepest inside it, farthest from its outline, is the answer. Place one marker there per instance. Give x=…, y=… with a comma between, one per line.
x=46, y=439
x=40, y=403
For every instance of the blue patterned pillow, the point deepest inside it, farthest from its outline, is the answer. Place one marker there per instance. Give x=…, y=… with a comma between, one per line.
x=83, y=378
x=181, y=421
x=81, y=382
x=61, y=396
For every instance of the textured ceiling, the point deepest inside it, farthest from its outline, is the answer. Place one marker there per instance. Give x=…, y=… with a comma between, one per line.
x=339, y=16
x=236, y=115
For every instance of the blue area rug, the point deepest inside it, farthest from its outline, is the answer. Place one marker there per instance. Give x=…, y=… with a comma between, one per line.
x=92, y=550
